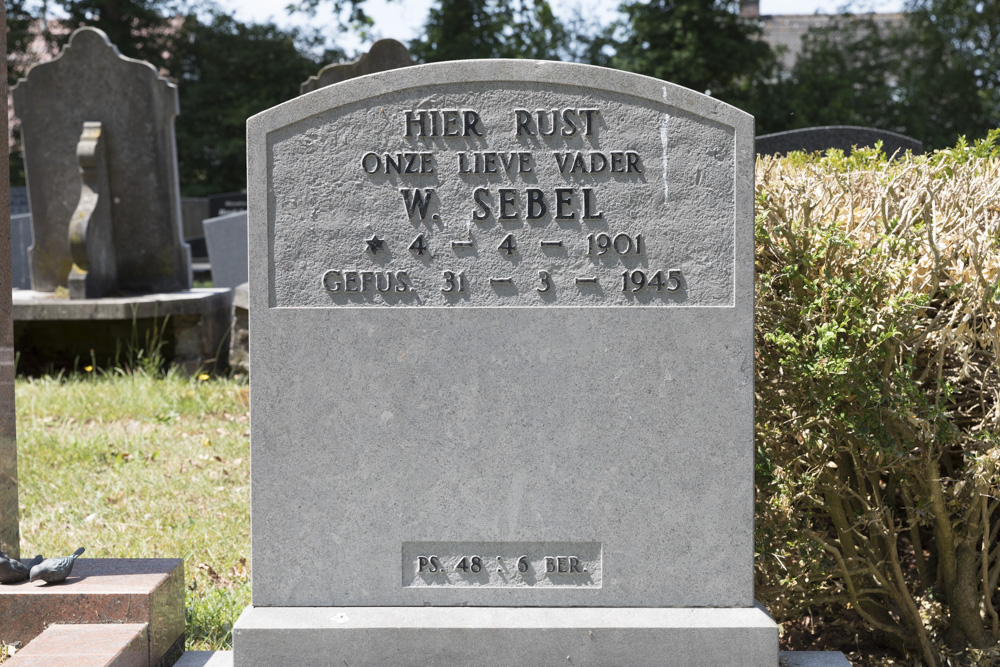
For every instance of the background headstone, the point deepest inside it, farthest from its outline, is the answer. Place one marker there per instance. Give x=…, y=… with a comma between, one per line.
x=843, y=137
x=502, y=336
x=19, y=200
x=91, y=82
x=385, y=54
x=9, y=524
x=226, y=238
x=226, y=203
x=20, y=241
x=194, y=210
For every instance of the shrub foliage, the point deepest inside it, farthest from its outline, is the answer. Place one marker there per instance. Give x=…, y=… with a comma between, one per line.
x=878, y=395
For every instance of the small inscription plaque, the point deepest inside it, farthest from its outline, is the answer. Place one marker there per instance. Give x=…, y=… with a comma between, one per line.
x=502, y=564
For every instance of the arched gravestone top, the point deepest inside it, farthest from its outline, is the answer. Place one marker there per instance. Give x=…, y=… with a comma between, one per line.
x=332, y=129
x=526, y=404
x=843, y=137
x=385, y=54
x=91, y=81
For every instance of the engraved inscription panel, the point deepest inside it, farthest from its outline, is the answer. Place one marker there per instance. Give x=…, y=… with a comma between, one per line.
x=502, y=564
x=507, y=198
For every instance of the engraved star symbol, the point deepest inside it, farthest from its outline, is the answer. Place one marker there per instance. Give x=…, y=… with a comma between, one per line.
x=375, y=244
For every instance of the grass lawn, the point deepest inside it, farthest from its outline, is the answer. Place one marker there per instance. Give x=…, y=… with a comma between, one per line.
x=129, y=465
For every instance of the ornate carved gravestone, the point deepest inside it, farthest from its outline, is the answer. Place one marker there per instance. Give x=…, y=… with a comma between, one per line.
x=503, y=373
x=385, y=54
x=101, y=164
x=94, y=116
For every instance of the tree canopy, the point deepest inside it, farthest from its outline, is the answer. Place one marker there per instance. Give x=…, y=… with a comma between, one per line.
x=934, y=76
x=462, y=29
x=225, y=70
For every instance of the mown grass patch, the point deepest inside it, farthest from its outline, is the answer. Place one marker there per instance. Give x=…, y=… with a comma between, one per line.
x=138, y=466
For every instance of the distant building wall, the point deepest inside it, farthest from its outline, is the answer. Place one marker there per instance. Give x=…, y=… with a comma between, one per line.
x=784, y=32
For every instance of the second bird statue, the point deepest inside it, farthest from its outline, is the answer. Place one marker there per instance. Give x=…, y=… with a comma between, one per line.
x=54, y=570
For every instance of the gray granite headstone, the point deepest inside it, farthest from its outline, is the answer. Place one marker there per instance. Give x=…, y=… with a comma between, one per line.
x=9, y=522
x=226, y=238
x=502, y=335
x=842, y=137
x=91, y=82
x=385, y=54
x=20, y=241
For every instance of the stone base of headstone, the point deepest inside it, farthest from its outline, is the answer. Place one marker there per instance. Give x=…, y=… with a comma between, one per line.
x=506, y=636
x=190, y=329
x=103, y=591
x=785, y=659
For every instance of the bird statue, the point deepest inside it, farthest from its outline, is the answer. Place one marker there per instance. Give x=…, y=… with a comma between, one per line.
x=13, y=571
x=54, y=570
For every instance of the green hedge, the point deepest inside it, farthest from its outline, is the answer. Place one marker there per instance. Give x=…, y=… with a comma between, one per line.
x=878, y=396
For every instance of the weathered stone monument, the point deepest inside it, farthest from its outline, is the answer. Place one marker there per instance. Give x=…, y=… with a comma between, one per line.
x=94, y=113
x=101, y=165
x=385, y=54
x=841, y=137
x=10, y=532
x=502, y=336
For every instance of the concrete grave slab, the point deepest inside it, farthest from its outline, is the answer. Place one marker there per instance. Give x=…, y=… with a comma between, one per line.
x=193, y=326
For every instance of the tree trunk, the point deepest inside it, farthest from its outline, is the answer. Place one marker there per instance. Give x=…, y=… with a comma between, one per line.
x=966, y=626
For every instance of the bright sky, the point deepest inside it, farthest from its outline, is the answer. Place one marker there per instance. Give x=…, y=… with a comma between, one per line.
x=403, y=19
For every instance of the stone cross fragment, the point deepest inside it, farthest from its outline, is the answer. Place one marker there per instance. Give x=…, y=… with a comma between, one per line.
x=90, y=82
x=9, y=528
x=385, y=54
x=90, y=233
